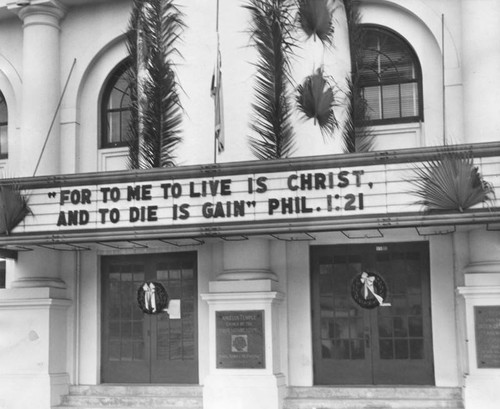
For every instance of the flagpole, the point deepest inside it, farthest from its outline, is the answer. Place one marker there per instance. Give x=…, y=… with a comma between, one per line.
x=55, y=115
x=217, y=38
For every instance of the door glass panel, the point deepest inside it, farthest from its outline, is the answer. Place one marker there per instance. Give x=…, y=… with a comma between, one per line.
x=400, y=327
x=357, y=349
x=415, y=326
x=385, y=327
x=401, y=348
x=325, y=284
x=386, y=348
x=416, y=349
x=139, y=350
x=114, y=350
x=187, y=273
x=341, y=349
x=127, y=350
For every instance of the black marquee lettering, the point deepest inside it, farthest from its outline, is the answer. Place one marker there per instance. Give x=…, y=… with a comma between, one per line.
x=61, y=221
x=290, y=179
x=225, y=187
x=133, y=193
x=273, y=204
x=207, y=210
x=103, y=213
x=261, y=183
x=114, y=216
x=343, y=180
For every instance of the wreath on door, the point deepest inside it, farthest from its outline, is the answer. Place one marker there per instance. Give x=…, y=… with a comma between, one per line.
x=152, y=297
x=369, y=290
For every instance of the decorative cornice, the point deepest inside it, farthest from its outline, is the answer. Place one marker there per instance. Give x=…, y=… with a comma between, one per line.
x=483, y=267
x=479, y=291
x=36, y=303
x=241, y=297
x=247, y=274
x=478, y=150
x=49, y=13
x=36, y=282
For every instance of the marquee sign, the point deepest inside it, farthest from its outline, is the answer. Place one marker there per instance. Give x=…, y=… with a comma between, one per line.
x=196, y=199
x=332, y=192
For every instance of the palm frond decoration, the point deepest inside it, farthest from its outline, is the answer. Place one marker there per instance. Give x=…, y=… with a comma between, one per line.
x=13, y=207
x=451, y=182
x=356, y=136
x=156, y=113
x=316, y=100
x=315, y=19
x=271, y=35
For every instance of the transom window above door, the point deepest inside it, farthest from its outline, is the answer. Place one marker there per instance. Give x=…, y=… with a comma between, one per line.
x=115, y=109
x=390, y=78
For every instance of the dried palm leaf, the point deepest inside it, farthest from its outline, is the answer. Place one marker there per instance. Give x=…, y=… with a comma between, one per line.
x=316, y=100
x=271, y=35
x=451, y=182
x=156, y=112
x=357, y=137
x=315, y=19
x=13, y=207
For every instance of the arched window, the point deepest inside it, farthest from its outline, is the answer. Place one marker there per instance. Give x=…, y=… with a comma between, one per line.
x=3, y=127
x=390, y=78
x=115, y=109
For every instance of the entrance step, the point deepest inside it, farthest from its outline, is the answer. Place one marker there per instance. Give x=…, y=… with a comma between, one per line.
x=404, y=397
x=133, y=397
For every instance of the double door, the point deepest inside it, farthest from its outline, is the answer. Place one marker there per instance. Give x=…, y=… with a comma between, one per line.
x=378, y=346
x=143, y=348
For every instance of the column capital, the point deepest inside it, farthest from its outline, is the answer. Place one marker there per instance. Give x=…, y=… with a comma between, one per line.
x=48, y=12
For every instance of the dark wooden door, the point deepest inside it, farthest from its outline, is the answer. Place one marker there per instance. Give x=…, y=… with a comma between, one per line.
x=142, y=348
x=387, y=344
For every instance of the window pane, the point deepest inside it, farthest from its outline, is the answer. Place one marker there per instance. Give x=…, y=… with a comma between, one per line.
x=114, y=126
x=119, y=95
x=372, y=98
x=340, y=349
x=400, y=328
x=390, y=97
x=386, y=349
x=401, y=349
x=409, y=99
x=2, y=274
x=357, y=349
x=3, y=139
x=3, y=110
x=415, y=326
x=416, y=349
x=3, y=125
x=124, y=123
x=385, y=327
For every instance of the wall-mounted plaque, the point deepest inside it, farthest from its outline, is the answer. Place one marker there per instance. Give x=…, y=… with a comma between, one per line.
x=240, y=339
x=487, y=324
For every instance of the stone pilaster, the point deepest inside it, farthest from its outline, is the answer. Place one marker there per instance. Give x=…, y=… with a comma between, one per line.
x=479, y=60
x=244, y=292
x=481, y=293
x=41, y=89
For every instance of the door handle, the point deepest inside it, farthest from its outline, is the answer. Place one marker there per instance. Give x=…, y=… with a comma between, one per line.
x=367, y=340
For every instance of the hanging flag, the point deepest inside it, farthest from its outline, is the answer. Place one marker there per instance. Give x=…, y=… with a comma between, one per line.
x=216, y=92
